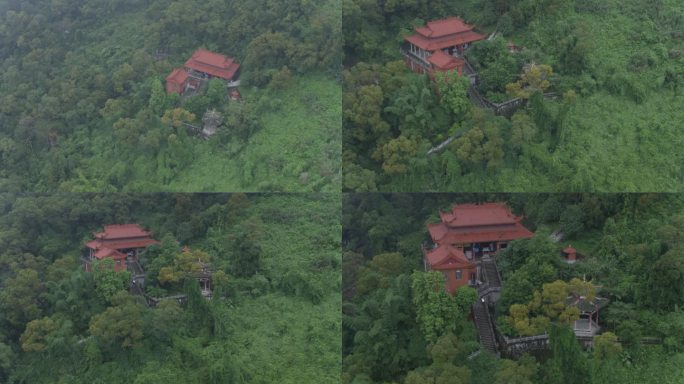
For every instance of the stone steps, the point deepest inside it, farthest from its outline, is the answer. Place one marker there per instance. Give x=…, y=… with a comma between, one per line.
x=484, y=327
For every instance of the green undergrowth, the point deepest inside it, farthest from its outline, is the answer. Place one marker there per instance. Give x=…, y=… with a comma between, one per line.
x=297, y=149
x=279, y=324
x=620, y=133
x=83, y=97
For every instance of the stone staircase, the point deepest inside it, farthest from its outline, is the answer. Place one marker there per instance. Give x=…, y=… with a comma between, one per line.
x=484, y=327
x=491, y=273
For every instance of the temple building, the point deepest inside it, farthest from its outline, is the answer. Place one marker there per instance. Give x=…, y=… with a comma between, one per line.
x=439, y=45
x=466, y=238
x=201, y=66
x=177, y=81
x=450, y=261
x=122, y=243
x=478, y=229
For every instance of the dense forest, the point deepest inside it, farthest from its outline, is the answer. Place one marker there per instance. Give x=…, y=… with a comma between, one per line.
x=616, y=69
x=273, y=317
x=83, y=106
x=397, y=329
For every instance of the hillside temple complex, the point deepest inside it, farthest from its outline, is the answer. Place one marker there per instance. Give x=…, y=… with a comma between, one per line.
x=200, y=67
x=438, y=46
x=121, y=243
x=467, y=235
x=464, y=245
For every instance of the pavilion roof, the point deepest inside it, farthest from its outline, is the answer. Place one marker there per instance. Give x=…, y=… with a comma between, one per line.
x=121, y=244
x=587, y=306
x=439, y=34
x=121, y=236
x=108, y=252
x=569, y=249
x=213, y=64
x=475, y=223
x=445, y=62
x=121, y=231
x=447, y=257
x=476, y=236
x=444, y=27
x=177, y=76
x=471, y=215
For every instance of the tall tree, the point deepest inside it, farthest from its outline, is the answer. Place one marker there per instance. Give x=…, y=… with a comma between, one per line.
x=157, y=102
x=438, y=312
x=108, y=281
x=20, y=297
x=535, y=78
x=120, y=325
x=569, y=363
x=453, y=92
x=523, y=371
x=245, y=254
x=665, y=281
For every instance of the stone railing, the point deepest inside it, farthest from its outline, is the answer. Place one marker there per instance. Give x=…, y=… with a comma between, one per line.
x=516, y=347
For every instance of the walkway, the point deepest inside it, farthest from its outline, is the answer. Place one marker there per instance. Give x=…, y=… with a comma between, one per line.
x=484, y=326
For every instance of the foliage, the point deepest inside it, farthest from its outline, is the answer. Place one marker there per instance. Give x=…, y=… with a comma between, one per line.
x=109, y=282
x=620, y=60
x=380, y=272
x=666, y=280
x=481, y=146
x=177, y=116
x=549, y=306
x=523, y=371
x=606, y=345
x=569, y=364
x=186, y=265
x=120, y=324
x=621, y=237
x=34, y=338
x=20, y=297
x=64, y=329
x=495, y=65
x=453, y=91
x=438, y=312
x=86, y=82
x=396, y=154
x=534, y=262
x=245, y=253
x=535, y=78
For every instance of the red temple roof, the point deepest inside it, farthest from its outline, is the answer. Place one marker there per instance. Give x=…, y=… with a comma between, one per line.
x=475, y=223
x=123, y=236
x=469, y=215
x=213, y=64
x=444, y=27
x=445, y=62
x=569, y=249
x=108, y=252
x=447, y=257
x=121, y=244
x=440, y=34
x=121, y=231
x=177, y=76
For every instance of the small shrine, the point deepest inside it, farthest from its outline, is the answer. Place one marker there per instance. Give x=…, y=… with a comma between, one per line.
x=569, y=254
